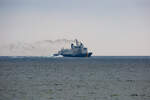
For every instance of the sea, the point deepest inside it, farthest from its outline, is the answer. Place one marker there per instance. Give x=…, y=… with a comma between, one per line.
x=75, y=78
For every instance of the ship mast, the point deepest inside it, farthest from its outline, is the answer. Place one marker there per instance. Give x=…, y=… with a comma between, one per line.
x=77, y=42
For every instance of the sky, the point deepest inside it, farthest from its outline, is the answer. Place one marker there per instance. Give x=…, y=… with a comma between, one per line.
x=106, y=27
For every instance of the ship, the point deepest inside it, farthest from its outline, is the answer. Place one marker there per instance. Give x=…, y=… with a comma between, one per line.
x=76, y=50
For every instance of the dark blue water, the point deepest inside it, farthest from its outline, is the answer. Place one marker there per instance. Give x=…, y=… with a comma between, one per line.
x=66, y=78
x=107, y=59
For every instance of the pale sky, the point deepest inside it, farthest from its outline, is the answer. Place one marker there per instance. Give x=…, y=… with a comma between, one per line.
x=106, y=27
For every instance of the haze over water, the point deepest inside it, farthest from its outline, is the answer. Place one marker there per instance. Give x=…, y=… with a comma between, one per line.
x=107, y=27
x=116, y=31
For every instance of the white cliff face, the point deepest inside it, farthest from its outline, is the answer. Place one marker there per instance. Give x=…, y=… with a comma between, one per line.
x=39, y=48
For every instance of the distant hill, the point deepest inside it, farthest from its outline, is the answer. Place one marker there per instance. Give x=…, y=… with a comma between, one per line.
x=39, y=48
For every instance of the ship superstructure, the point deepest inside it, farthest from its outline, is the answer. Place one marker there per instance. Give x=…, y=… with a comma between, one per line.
x=77, y=50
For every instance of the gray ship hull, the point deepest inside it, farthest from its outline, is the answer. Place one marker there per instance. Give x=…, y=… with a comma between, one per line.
x=78, y=55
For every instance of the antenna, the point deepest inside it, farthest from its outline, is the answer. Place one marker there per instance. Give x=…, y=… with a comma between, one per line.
x=77, y=43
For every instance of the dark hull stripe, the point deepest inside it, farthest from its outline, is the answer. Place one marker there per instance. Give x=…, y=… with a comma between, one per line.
x=79, y=55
